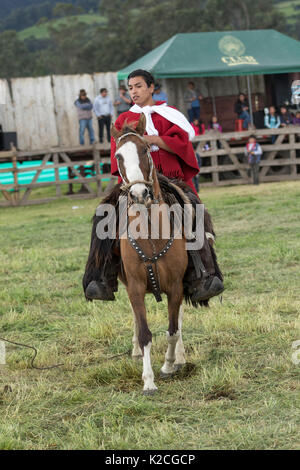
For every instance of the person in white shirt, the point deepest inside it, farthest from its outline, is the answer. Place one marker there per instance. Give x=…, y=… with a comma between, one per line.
x=103, y=108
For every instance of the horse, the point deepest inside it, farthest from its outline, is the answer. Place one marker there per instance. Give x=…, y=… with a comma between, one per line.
x=148, y=264
x=140, y=181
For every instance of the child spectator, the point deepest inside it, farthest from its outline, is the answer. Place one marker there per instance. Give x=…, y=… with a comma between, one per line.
x=254, y=152
x=296, y=120
x=285, y=117
x=214, y=125
x=198, y=126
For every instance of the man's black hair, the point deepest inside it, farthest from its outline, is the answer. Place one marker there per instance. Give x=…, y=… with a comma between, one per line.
x=252, y=136
x=103, y=89
x=147, y=76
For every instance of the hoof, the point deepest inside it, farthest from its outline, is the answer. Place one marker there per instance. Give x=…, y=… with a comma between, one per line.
x=98, y=291
x=165, y=376
x=149, y=393
x=179, y=366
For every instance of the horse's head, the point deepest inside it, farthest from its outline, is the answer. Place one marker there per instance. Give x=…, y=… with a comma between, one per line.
x=135, y=163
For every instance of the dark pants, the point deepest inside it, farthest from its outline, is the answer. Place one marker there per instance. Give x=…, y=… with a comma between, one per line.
x=104, y=121
x=194, y=113
x=255, y=172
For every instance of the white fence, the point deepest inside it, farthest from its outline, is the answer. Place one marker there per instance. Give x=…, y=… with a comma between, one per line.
x=42, y=112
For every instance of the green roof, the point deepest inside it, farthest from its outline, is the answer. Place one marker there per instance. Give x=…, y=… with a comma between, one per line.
x=218, y=54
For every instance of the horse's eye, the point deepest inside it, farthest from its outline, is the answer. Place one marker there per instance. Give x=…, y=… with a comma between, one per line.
x=117, y=155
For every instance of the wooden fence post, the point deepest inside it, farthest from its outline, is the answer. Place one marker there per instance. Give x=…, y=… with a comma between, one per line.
x=97, y=160
x=56, y=171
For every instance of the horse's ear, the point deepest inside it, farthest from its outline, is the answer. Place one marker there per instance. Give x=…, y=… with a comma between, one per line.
x=114, y=132
x=141, y=126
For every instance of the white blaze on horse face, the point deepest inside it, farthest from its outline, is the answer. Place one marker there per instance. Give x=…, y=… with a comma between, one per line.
x=131, y=164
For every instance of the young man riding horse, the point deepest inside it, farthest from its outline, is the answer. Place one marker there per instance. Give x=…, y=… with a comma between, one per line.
x=168, y=133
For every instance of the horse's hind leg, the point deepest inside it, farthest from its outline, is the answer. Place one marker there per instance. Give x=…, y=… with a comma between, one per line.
x=173, y=333
x=179, y=350
x=144, y=337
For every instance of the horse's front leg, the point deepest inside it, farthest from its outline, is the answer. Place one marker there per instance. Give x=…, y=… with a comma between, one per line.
x=137, y=299
x=179, y=350
x=173, y=333
x=136, y=350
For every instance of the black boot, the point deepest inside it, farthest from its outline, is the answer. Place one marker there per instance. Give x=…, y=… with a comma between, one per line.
x=104, y=285
x=203, y=278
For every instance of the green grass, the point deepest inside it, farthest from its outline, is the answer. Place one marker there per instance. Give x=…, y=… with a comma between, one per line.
x=42, y=32
x=289, y=10
x=244, y=390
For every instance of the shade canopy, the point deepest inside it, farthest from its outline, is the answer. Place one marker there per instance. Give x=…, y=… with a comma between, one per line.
x=220, y=54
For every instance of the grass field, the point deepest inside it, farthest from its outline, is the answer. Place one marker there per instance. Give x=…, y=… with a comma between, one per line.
x=41, y=31
x=244, y=390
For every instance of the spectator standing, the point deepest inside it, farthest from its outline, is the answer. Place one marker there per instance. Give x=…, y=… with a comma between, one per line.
x=285, y=118
x=253, y=152
x=272, y=121
x=84, y=110
x=103, y=109
x=159, y=95
x=123, y=101
x=192, y=98
x=197, y=177
x=241, y=108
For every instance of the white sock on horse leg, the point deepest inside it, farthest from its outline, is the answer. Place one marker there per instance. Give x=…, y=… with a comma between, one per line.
x=136, y=351
x=148, y=375
x=168, y=367
x=179, y=350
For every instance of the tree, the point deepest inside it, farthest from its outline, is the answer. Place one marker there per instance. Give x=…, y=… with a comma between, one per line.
x=66, y=9
x=15, y=58
x=242, y=14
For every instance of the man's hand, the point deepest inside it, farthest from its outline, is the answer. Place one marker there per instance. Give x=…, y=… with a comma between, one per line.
x=156, y=140
x=152, y=139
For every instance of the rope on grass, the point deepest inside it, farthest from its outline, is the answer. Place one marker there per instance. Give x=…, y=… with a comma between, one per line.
x=58, y=365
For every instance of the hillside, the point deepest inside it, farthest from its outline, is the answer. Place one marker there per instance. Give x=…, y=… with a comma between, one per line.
x=41, y=31
x=291, y=10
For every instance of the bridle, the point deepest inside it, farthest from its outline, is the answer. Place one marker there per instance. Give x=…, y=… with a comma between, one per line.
x=149, y=261
x=126, y=186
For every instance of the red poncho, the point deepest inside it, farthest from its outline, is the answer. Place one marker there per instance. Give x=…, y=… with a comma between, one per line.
x=181, y=164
